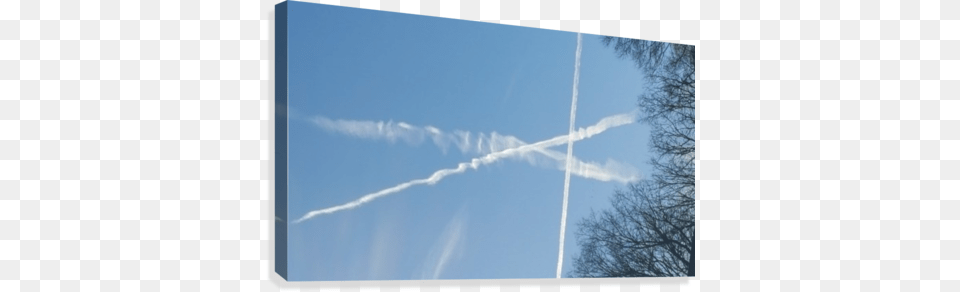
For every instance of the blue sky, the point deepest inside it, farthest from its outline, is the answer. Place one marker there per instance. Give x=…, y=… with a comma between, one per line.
x=352, y=68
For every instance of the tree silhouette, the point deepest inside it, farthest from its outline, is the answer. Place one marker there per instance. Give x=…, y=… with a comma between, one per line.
x=650, y=230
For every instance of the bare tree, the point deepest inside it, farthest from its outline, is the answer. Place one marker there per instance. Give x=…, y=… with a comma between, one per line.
x=650, y=230
x=647, y=233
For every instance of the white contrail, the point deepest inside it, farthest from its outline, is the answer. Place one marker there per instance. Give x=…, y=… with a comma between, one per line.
x=414, y=135
x=610, y=171
x=389, y=131
x=580, y=134
x=566, y=179
x=485, y=143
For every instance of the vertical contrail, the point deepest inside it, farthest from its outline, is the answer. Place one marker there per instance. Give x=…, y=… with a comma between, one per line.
x=566, y=179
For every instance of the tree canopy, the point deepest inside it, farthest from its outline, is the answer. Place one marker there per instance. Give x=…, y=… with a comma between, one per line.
x=650, y=230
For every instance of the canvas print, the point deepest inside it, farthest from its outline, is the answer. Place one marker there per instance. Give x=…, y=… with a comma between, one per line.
x=411, y=147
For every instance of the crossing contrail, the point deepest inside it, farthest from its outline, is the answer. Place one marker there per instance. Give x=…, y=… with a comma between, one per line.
x=612, y=170
x=566, y=179
x=582, y=133
x=470, y=143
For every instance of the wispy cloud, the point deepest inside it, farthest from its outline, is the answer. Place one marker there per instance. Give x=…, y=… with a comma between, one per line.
x=385, y=252
x=448, y=246
x=580, y=134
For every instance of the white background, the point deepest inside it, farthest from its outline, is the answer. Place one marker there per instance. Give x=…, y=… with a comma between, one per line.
x=136, y=142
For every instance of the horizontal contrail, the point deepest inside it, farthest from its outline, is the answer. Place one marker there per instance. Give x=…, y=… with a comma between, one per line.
x=580, y=134
x=393, y=131
x=468, y=143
